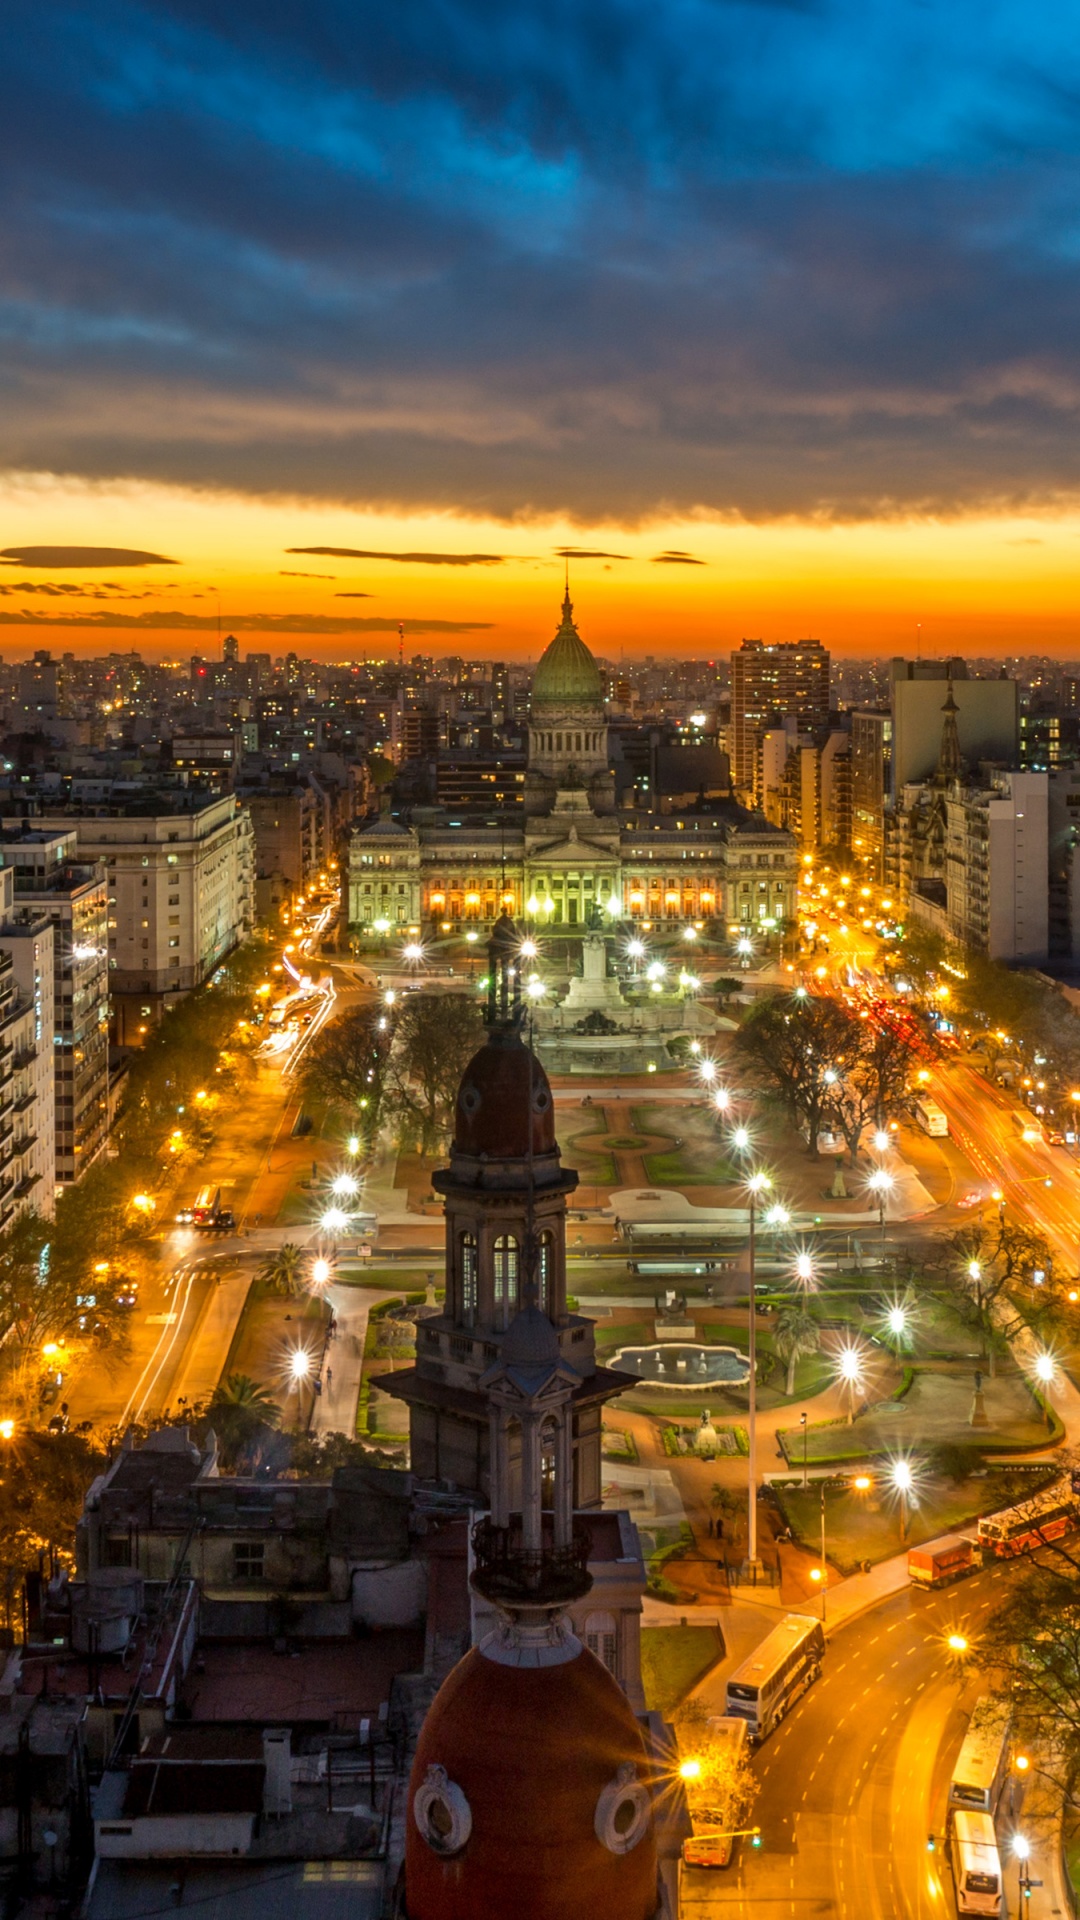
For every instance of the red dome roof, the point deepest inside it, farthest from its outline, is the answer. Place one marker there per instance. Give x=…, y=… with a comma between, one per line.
x=532, y=1759
x=504, y=1094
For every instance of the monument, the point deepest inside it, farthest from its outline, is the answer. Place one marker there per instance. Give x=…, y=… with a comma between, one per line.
x=605, y=1026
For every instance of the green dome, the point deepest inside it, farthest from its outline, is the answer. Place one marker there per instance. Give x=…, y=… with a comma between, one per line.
x=567, y=676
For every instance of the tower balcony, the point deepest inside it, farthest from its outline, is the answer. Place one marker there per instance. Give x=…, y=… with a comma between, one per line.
x=510, y=1574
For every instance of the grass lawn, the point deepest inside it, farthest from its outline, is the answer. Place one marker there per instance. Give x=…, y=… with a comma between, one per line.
x=673, y=1660
x=633, y=1335
x=935, y=1410
x=862, y=1527
x=593, y=1169
x=267, y=1331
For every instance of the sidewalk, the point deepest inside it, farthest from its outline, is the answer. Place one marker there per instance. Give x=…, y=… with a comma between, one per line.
x=335, y=1407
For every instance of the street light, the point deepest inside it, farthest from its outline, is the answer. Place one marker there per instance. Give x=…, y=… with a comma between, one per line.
x=740, y=1140
x=882, y=1140
x=805, y=1273
x=756, y=1185
x=334, y=1220
x=849, y=1367
x=721, y=1099
x=881, y=1184
x=1045, y=1374
x=903, y=1480
x=320, y=1271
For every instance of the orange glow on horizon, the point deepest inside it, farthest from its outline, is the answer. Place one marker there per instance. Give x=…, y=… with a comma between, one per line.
x=982, y=585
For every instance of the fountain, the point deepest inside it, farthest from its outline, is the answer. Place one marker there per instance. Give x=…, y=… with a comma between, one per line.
x=700, y=1366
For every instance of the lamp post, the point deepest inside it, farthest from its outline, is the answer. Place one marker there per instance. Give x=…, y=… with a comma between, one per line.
x=903, y=1479
x=1044, y=1374
x=757, y=1184
x=803, y=1425
x=881, y=1184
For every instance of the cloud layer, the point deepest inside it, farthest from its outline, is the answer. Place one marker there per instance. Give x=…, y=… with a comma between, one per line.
x=813, y=257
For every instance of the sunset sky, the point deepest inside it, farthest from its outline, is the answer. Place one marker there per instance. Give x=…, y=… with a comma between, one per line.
x=770, y=309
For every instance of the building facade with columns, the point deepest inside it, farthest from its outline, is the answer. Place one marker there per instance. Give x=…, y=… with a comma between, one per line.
x=572, y=854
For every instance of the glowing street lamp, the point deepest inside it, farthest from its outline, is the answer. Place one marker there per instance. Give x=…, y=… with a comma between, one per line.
x=334, y=1220
x=903, y=1480
x=805, y=1273
x=299, y=1366
x=707, y=1070
x=321, y=1271
x=1045, y=1374
x=352, y=1144
x=882, y=1141
x=345, y=1185
x=528, y=949
x=881, y=1185
x=740, y=1140
x=758, y=1184
x=721, y=1099
x=535, y=987
x=850, y=1370
x=413, y=953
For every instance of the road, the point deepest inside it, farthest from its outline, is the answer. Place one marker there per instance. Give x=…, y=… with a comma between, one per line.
x=856, y=1778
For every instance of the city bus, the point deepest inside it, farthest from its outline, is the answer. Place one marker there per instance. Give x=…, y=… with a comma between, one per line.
x=770, y=1681
x=1027, y=1126
x=976, y=1864
x=1034, y=1523
x=982, y=1767
x=931, y=1118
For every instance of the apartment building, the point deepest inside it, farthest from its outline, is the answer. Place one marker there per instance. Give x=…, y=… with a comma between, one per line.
x=27, y=938
x=768, y=684
x=871, y=776
x=51, y=883
x=181, y=887
x=987, y=718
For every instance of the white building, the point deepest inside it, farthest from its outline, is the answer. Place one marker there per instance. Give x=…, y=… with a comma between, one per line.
x=997, y=865
x=181, y=892
x=27, y=937
x=987, y=718
x=51, y=883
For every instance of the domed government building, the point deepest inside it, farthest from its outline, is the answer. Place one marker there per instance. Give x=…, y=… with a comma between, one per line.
x=571, y=855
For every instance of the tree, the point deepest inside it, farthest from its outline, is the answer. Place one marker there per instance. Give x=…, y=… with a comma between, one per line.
x=43, y=1483
x=918, y=956
x=985, y=1265
x=282, y=1271
x=795, y=1046
x=346, y=1066
x=797, y=1334
x=727, y=989
x=1032, y=1645
x=435, y=1037
x=51, y=1293
x=872, y=1079
x=724, y=1786
x=243, y=1415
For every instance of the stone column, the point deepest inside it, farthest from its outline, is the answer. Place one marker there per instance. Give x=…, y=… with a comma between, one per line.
x=531, y=1515
x=564, y=1479
x=500, y=1468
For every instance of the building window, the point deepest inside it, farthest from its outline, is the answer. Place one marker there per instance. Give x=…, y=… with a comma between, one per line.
x=468, y=1278
x=506, y=1278
x=601, y=1638
x=248, y=1559
x=546, y=1274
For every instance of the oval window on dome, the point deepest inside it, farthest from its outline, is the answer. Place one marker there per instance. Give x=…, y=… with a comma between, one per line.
x=470, y=1100
x=622, y=1812
x=442, y=1813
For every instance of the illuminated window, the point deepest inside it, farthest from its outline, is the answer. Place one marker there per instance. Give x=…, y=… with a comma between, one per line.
x=468, y=1277
x=506, y=1277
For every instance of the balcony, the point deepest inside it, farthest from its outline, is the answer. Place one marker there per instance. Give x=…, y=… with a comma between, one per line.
x=510, y=1574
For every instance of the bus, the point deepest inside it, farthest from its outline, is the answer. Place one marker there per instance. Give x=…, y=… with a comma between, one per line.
x=930, y=1117
x=976, y=1865
x=717, y=1802
x=1027, y=1126
x=1034, y=1523
x=982, y=1767
x=770, y=1681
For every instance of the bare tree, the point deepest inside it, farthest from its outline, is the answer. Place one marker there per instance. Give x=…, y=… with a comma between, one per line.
x=346, y=1065
x=435, y=1037
x=795, y=1046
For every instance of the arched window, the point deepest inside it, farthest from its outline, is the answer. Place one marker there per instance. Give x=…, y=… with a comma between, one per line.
x=601, y=1638
x=468, y=1278
x=547, y=1465
x=546, y=1275
x=506, y=1278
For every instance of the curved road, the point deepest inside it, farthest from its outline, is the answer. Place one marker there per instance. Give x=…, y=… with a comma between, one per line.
x=856, y=1777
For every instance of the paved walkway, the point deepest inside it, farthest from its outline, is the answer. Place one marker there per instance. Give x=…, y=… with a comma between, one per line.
x=335, y=1407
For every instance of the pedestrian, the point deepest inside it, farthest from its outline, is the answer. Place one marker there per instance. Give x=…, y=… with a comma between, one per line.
x=329, y=1377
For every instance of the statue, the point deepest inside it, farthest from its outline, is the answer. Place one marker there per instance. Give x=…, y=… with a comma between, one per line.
x=978, y=1416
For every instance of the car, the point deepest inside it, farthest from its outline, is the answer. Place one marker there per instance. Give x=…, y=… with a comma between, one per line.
x=1055, y=1136
x=184, y=1217
x=972, y=1199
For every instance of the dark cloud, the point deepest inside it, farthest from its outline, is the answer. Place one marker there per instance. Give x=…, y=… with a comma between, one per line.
x=588, y=553
x=83, y=557
x=676, y=559
x=759, y=259
x=241, y=623
x=417, y=559
x=289, y=573
x=344, y=595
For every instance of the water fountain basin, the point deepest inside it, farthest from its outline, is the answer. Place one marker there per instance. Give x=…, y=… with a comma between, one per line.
x=684, y=1369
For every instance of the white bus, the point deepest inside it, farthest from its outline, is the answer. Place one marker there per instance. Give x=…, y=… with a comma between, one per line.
x=982, y=1767
x=931, y=1118
x=975, y=1864
x=1027, y=1126
x=772, y=1678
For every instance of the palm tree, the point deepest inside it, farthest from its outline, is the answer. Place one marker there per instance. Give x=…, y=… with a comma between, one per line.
x=241, y=1394
x=282, y=1271
x=797, y=1334
x=243, y=1413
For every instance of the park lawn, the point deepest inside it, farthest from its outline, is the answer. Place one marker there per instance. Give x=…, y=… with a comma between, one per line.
x=674, y=1660
x=938, y=1331
x=633, y=1335
x=593, y=1169
x=935, y=1411
x=862, y=1527
x=269, y=1327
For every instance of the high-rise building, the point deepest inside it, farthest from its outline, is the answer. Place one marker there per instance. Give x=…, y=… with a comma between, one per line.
x=769, y=682
x=871, y=772
x=52, y=883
